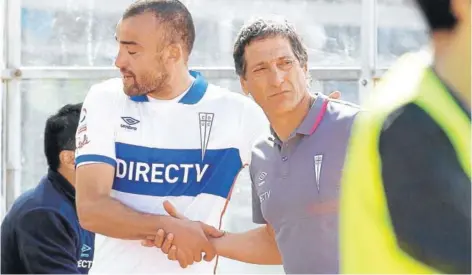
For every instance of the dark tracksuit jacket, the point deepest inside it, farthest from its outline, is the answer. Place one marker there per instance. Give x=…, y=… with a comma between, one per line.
x=41, y=233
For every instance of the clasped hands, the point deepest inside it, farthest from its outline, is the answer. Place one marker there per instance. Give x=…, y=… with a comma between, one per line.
x=184, y=240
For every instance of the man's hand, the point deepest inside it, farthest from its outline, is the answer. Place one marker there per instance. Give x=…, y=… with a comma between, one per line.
x=191, y=241
x=189, y=237
x=335, y=95
x=209, y=230
x=182, y=255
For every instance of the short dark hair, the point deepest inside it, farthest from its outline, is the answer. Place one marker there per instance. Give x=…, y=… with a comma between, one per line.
x=265, y=28
x=59, y=133
x=438, y=14
x=174, y=16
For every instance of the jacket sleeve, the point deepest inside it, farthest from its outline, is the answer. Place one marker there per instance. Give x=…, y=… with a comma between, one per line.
x=46, y=243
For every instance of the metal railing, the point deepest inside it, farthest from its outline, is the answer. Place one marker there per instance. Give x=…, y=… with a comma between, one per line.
x=12, y=72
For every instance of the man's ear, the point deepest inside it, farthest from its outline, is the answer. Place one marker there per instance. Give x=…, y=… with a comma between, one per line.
x=460, y=8
x=175, y=51
x=244, y=87
x=67, y=159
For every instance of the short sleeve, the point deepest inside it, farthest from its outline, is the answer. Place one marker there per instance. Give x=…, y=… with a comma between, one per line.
x=46, y=243
x=257, y=216
x=95, y=137
x=254, y=125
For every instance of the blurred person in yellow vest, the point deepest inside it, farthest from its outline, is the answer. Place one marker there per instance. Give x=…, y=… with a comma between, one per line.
x=405, y=195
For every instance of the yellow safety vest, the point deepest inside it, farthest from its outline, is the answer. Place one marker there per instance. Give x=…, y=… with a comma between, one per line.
x=367, y=240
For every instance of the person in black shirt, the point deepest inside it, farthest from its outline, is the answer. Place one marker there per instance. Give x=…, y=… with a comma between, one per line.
x=428, y=192
x=41, y=233
x=406, y=194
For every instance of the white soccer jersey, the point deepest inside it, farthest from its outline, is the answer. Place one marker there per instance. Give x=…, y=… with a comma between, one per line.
x=188, y=150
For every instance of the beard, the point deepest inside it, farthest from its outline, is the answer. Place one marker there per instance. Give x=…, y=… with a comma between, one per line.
x=146, y=84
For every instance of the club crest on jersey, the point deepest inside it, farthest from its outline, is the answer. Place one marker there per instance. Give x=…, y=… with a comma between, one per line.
x=206, y=122
x=318, y=161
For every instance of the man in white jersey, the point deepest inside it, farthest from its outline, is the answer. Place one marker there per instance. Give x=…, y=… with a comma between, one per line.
x=169, y=136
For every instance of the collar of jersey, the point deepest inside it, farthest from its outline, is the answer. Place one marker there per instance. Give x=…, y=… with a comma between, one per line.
x=193, y=96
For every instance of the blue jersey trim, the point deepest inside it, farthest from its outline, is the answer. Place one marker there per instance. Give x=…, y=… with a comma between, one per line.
x=197, y=91
x=94, y=158
x=175, y=172
x=193, y=96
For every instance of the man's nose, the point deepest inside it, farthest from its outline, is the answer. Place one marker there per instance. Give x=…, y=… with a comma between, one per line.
x=121, y=61
x=277, y=77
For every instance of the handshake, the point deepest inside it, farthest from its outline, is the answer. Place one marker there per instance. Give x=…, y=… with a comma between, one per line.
x=184, y=240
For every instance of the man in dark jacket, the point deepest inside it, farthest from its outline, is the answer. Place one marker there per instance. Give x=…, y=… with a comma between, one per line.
x=41, y=233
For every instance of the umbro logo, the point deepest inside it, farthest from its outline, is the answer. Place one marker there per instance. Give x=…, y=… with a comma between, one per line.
x=129, y=123
x=261, y=178
x=129, y=120
x=85, y=248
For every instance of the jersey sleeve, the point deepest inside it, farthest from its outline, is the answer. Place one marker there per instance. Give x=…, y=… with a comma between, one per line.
x=254, y=125
x=257, y=216
x=95, y=137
